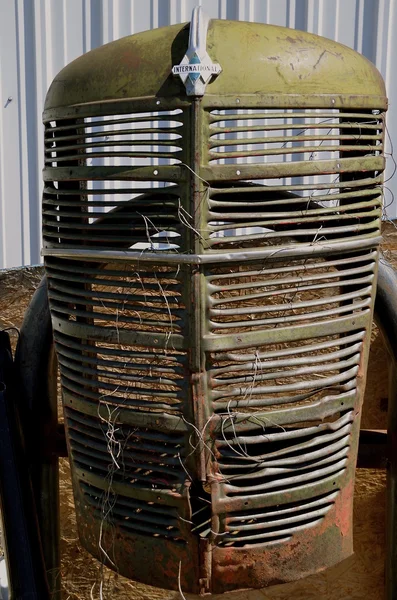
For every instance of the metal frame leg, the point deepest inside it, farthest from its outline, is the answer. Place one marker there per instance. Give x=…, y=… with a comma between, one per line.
x=36, y=371
x=386, y=319
x=25, y=562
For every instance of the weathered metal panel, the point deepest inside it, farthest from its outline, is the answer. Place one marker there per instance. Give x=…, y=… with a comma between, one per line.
x=39, y=38
x=213, y=352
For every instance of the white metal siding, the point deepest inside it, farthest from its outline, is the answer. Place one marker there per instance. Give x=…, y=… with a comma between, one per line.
x=39, y=37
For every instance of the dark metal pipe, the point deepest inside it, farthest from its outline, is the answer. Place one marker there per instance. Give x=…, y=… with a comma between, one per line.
x=36, y=370
x=26, y=569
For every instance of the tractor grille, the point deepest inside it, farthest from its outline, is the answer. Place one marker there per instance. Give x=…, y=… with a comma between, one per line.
x=128, y=454
x=305, y=200
x=275, y=525
x=133, y=516
x=140, y=214
x=284, y=336
x=145, y=138
x=211, y=291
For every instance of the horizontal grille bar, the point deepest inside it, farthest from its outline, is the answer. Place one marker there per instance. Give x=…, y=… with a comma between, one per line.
x=139, y=378
x=241, y=136
x=296, y=292
x=152, y=138
x=125, y=453
x=144, y=518
x=274, y=526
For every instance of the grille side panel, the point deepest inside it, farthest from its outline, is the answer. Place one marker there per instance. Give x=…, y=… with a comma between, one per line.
x=330, y=537
x=286, y=338
x=146, y=553
x=121, y=332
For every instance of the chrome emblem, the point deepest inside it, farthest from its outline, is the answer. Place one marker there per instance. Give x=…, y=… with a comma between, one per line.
x=196, y=67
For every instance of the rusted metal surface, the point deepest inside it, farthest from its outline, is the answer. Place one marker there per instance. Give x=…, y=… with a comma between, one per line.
x=292, y=67
x=213, y=332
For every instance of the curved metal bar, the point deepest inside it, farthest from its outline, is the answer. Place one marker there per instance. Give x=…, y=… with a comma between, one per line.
x=26, y=568
x=36, y=371
x=386, y=319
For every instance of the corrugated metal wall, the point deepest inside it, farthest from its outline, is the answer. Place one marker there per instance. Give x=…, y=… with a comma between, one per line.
x=39, y=37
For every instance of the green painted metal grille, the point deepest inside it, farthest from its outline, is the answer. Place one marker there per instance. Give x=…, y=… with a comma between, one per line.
x=211, y=276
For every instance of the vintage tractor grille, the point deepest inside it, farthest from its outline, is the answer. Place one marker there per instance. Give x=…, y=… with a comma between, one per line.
x=134, y=516
x=247, y=136
x=144, y=138
x=139, y=378
x=211, y=263
x=137, y=215
x=275, y=525
x=259, y=450
x=302, y=209
x=135, y=455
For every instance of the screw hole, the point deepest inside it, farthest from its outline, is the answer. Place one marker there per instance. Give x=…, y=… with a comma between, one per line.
x=155, y=172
